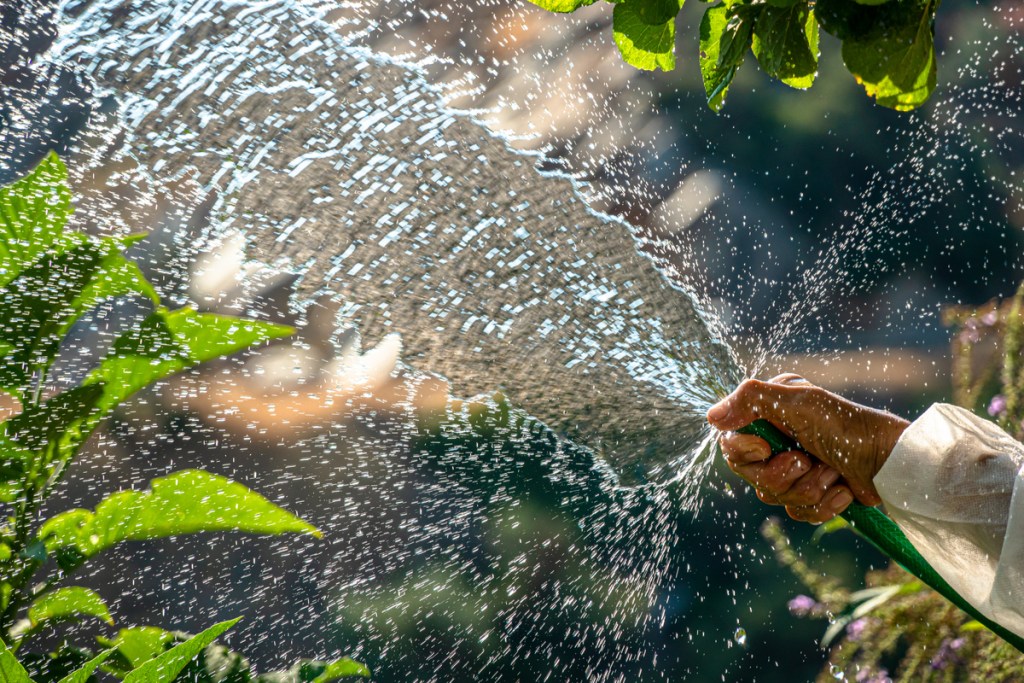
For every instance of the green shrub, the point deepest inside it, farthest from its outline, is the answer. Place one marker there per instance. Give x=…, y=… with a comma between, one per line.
x=50, y=278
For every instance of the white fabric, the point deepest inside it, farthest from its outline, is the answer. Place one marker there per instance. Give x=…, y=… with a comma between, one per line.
x=955, y=485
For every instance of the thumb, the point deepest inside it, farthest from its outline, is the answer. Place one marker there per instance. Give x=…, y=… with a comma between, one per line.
x=753, y=400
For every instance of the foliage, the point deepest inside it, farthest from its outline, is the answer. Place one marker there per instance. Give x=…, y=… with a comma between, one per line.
x=987, y=349
x=888, y=45
x=50, y=278
x=895, y=629
x=896, y=624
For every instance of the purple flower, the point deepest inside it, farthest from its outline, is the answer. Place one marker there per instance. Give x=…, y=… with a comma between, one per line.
x=855, y=629
x=990, y=319
x=947, y=653
x=969, y=336
x=803, y=605
x=997, y=406
x=866, y=675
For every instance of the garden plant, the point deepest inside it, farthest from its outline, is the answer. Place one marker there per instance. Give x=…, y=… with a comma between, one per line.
x=887, y=45
x=50, y=279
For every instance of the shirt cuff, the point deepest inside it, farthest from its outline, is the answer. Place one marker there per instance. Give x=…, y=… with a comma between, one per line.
x=953, y=485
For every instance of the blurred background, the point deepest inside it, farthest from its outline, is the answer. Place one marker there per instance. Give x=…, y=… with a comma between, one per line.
x=928, y=208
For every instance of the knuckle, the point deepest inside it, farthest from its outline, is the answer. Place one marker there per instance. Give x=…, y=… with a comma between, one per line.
x=788, y=378
x=749, y=388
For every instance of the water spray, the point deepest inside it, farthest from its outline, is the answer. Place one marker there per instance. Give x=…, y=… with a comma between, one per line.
x=879, y=530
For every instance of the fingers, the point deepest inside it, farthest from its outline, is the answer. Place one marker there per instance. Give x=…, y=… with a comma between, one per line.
x=834, y=503
x=775, y=476
x=744, y=448
x=792, y=478
x=754, y=399
x=812, y=488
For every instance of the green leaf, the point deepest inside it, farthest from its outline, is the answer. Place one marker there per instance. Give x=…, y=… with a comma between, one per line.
x=42, y=435
x=643, y=45
x=214, y=664
x=562, y=6
x=877, y=597
x=14, y=463
x=341, y=668
x=46, y=299
x=72, y=601
x=43, y=425
x=657, y=12
x=725, y=36
x=170, y=341
x=310, y=671
x=82, y=675
x=138, y=644
x=185, y=502
x=786, y=44
x=895, y=58
x=165, y=667
x=33, y=212
x=843, y=18
x=11, y=670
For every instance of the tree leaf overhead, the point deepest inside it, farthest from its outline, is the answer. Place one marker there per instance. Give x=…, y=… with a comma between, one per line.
x=643, y=45
x=786, y=44
x=888, y=45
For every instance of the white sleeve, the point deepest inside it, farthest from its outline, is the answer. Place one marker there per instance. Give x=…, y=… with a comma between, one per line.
x=954, y=484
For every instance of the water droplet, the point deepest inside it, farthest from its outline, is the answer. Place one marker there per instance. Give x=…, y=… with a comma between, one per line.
x=837, y=673
x=740, y=636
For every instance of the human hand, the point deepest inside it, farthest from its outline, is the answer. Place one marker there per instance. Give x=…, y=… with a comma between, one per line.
x=843, y=445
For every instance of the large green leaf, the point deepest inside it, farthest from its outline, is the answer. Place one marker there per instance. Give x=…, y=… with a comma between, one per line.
x=136, y=645
x=657, y=12
x=73, y=601
x=67, y=663
x=310, y=671
x=786, y=44
x=83, y=674
x=11, y=671
x=643, y=45
x=341, y=668
x=214, y=664
x=170, y=341
x=165, y=667
x=725, y=36
x=33, y=212
x=165, y=343
x=185, y=502
x=895, y=59
x=562, y=5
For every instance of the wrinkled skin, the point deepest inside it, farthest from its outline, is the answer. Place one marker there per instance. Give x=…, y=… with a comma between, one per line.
x=844, y=445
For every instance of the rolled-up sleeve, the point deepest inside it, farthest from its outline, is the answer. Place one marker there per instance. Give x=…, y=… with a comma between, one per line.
x=954, y=484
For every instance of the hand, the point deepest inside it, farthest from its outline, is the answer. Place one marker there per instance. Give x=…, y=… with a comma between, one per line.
x=843, y=445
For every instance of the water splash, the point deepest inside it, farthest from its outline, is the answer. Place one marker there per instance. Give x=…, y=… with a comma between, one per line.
x=346, y=176
x=346, y=167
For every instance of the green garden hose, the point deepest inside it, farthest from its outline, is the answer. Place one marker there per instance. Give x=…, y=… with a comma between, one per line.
x=872, y=524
